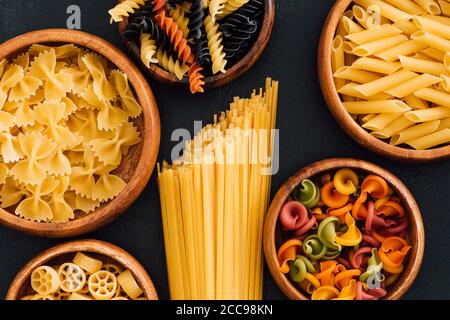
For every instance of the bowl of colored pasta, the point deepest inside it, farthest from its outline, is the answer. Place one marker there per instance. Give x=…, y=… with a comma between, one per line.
x=83, y=270
x=384, y=69
x=79, y=134
x=199, y=44
x=344, y=229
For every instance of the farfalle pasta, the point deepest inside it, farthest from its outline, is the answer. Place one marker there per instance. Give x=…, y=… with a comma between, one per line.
x=86, y=277
x=346, y=237
x=66, y=122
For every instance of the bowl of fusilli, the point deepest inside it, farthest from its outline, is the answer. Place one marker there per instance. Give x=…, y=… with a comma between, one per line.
x=384, y=70
x=199, y=44
x=81, y=132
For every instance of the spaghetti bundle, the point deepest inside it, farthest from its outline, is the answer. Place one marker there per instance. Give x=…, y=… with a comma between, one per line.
x=213, y=202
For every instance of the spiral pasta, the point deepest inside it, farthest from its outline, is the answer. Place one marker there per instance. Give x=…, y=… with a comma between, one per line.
x=216, y=8
x=181, y=17
x=344, y=253
x=148, y=50
x=231, y=6
x=215, y=46
x=124, y=9
x=170, y=64
x=196, y=78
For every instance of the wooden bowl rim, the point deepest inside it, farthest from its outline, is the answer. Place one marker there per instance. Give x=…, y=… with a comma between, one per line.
x=93, y=246
x=417, y=228
x=220, y=79
x=150, y=135
x=344, y=119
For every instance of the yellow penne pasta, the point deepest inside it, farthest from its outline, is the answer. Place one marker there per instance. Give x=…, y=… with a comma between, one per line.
x=445, y=83
x=415, y=132
x=369, y=117
x=355, y=75
x=445, y=7
x=360, y=14
x=405, y=49
x=406, y=26
x=349, y=90
x=434, y=53
x=408, y=6
x=373, y=47
x=441, y=19
x=376, y=106
x=422, y=56
x=422, y=66
x=376, y=65
x=351, y=26
x=348, y=14
x=386, y=10
x=365, y=36
x=439, y=97
x=431, y=140
x=429, y=6
x=374, y=21
x=435, y=27
x=432, y=40
x=447, y=61
x=385, y=83
x=348, y=46
x=429, y=114
x=410, y=86
x=444, y=124
x=337, y=59
x=415, y=103
x=393, y=128
x=381, y=121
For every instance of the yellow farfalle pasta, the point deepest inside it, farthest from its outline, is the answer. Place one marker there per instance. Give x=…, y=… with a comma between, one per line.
x=62, y=110
x=395, y=76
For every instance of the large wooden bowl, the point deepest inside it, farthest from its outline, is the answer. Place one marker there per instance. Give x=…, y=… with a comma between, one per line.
x=272, y=234
x=219, y=79
x=343, y=117
x=136, y=166
x=105, y=251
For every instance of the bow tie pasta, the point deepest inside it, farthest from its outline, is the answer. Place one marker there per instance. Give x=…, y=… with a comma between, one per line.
x=66, y=122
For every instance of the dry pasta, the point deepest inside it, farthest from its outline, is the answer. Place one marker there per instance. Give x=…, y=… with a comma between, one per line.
x=85, y=278
x=61, y=124
x=395, y=76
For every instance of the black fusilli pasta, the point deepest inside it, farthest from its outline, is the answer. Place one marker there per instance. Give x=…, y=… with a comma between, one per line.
x=239, y=41
x=201, y=50
x=196, y=18
x=250, y=11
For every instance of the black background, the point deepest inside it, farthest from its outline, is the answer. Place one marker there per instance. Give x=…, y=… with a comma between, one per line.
x=308, y=133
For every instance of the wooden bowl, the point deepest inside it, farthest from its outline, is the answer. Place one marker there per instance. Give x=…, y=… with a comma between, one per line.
x=343, y=117
x=219, y=79
x=65, y=253
x=272, y=236
x=136, y=166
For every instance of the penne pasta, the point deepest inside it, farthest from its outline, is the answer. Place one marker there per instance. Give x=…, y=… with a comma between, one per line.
x=393, y=128
x=431, y=140
x=439, y=97
x=445, y=7
x=368, y=117
x=435, y=27
x=415, y=103
x=355, y=75
x=447, y=61
x=385, y=83
x=360, y=14
x=405, y=49
x=434, y=53
x=415, y=132
x=441, y=19
x=337, y=59
x=365, y=36
x=349, y=90
x=445, y=83
x=432, y=40
x=430, y=114
x=376, y=106
x=350, y=26
x=407, y=26
x=376, y=65
x=422, y=66
x=429, y=6
x=381, y=121
x=376, y=46
x=408, y=6
x=444, y=124
x=348, y=46
x=386, y=10
x=410, y=86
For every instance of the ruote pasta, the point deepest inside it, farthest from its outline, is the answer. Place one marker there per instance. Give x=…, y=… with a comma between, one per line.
x=204, y=37
x=214, y=199
x=391, y=64
x=345, y=237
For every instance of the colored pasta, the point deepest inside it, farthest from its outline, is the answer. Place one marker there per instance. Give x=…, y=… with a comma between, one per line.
x=348, y=243
x=391, y=68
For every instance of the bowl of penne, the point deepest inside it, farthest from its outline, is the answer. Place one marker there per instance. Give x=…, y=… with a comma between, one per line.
x=195, y=44
x=333, y=229
x=81, y=133
x=83, y=270
x=384, y=70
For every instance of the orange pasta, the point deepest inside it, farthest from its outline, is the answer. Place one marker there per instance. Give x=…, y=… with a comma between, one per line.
x=393, y=251
x=196, y=78
x=288, y=252
x=343, y=278
x=331, y=197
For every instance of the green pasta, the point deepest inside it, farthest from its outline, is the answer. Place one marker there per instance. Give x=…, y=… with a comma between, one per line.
x=314, y=248
x=300, y=267
x=308, y=193
x=374, y=267
x=327, y=233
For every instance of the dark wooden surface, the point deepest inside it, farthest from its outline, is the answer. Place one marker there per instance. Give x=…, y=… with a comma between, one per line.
x=308, y=133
